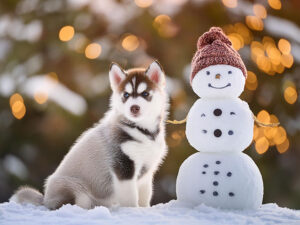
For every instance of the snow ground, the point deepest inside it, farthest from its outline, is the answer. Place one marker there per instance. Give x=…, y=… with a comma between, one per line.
x=170, y=213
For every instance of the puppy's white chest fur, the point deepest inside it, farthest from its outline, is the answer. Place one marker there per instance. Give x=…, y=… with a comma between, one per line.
x=145, y=152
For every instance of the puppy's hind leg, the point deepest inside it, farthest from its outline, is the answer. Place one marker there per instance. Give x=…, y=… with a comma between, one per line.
x=83, y=200
x=58, y=192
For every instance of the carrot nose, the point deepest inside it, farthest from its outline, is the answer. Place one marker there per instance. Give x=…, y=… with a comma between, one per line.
x=218, y=76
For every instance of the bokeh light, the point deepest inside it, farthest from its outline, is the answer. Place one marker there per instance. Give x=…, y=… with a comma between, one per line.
x=93, y=51
x=261, y=145
x=290, y=95
x=236, y=40
x=280, y=135
x=263, y=116
x=143, y=3
x=284, y=46
x=17, y=106
x=287, y=60
x=66, y=33
x=283, y=147
x=275, y=4
x=230, y=3
x=130, y=42
x=165, y=27
x=40, y=97
x=251, y=81
x=254, y=23
x=259, y=11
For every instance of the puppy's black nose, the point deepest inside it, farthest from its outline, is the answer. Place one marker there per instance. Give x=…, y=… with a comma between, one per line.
x=135, y=109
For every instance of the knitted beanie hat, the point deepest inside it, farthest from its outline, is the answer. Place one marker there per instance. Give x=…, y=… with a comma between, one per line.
x=214, y=48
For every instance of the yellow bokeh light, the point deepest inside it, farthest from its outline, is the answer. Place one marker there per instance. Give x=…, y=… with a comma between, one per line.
x=21, y=111
x=290, y=95
x=165, y=27
x=270, y=132
x=273, y=54
x=93, y=51
x=251, y=77
x=255, y=23
x=236, y=40
x=263, y=116
x=161, y=19
x=282, y=148
x=41, y=97
x=53, y=76
x=260, y=11
x=251, y=82
x=257, y=50
x=262, y=145
x=66, y=33
x=14, y=98
x=130, y=43
x=143, y=3
x=258, y=132
x=230, y=3
x=279, y=68
x=287, y=60
x=263, y=63
x=280, y=135
x=245, y=33
x=275, y=4
x=17, y=106
x=284, y=46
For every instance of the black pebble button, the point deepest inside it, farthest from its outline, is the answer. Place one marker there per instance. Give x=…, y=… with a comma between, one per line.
x=230, y=132
x=231, y=194
x=204, y=131
x=229, y=174
x=218, y=162
x=203, y=172
x=216, y=172
x=215, y=193
x=215, y=183
x=202, y=191
x=217, y=133
x=217, y=112
x=232, y=113
x=205, y=165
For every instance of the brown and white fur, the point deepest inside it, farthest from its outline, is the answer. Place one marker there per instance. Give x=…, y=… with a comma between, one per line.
x=113, y=163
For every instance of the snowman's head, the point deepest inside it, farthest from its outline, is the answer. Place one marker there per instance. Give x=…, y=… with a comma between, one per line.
x=219, y=81
x=217, y=69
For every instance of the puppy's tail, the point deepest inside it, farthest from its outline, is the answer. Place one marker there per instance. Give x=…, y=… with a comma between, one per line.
x=28, y=195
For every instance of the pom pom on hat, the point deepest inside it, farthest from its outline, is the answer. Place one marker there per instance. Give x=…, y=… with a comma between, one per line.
x=214, y=48
x=214, y=33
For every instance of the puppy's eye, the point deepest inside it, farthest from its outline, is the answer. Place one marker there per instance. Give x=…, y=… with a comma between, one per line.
x=229, y=72
x=126, y=95
x=207, y=72
x=145, y=94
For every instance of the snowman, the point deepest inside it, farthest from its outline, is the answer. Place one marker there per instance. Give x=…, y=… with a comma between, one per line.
x=220, y=126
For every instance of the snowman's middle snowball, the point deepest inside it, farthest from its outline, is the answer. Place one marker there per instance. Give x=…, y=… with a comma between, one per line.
x=220, y=125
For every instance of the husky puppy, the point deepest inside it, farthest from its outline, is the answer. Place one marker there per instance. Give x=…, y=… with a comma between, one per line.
x=113, y=163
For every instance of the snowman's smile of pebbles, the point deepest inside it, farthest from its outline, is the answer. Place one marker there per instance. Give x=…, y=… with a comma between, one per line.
x=228, y=85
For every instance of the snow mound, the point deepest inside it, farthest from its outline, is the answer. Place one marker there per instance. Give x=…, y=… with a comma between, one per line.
x=170, y=213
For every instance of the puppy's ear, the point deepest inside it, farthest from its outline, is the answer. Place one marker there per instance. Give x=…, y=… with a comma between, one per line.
x=116, y=76
x=156, y=73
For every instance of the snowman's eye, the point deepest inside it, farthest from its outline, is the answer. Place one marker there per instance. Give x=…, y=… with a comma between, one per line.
x=229, y=72
x=207, y=72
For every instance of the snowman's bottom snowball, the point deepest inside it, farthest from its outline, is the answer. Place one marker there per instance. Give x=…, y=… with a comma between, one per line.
x=223, y=180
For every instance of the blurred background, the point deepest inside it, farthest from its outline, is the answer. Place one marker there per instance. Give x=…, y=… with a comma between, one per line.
x=54, y=62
